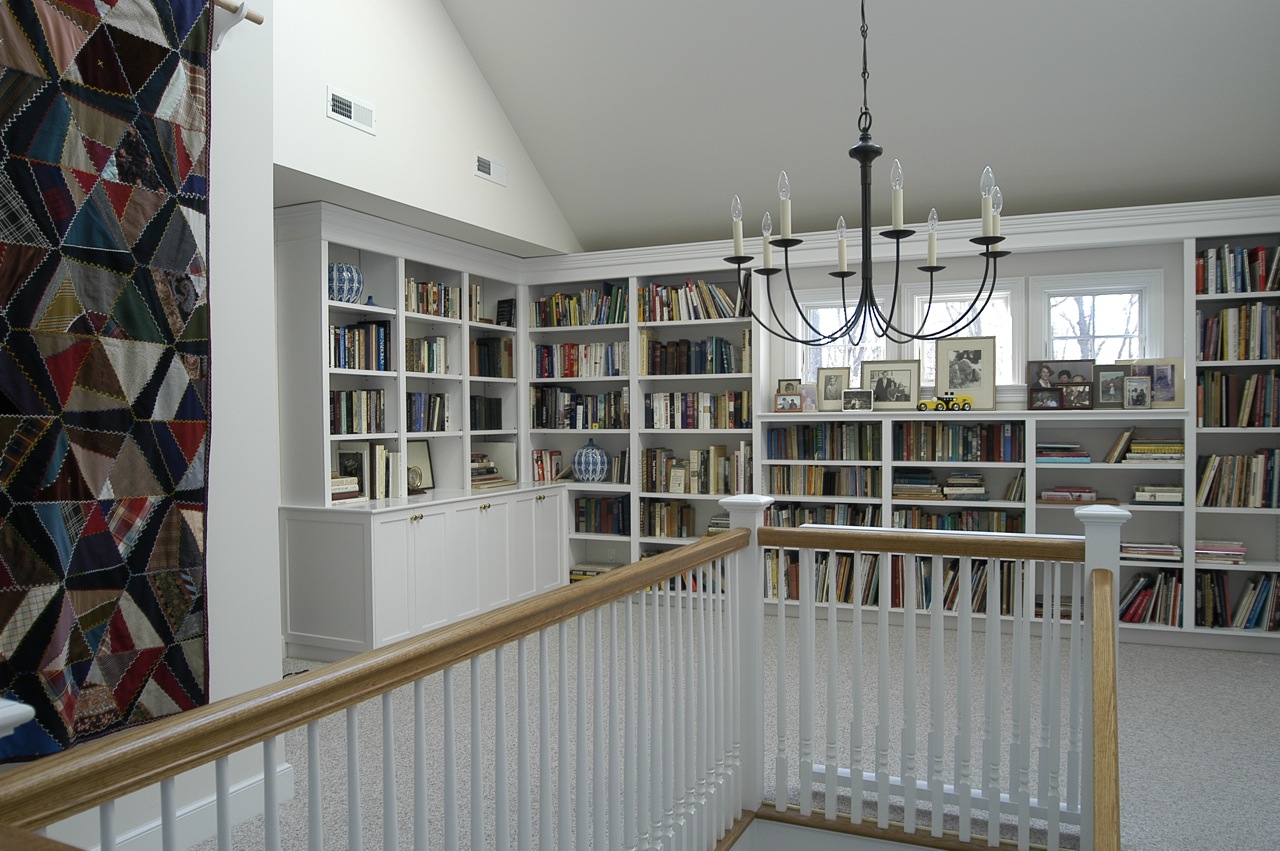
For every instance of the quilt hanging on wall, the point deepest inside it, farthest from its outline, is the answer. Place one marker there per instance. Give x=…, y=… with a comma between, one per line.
x=104, y=364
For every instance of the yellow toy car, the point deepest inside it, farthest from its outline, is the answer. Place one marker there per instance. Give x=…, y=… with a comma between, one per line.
x=946, y=402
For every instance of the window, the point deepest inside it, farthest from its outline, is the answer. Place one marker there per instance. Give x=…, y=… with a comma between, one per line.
x=996, y=320
x=1102, y=317
x=826, y=314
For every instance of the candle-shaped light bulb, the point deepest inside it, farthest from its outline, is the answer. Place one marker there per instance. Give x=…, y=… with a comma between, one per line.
x=997, y=204
x=987, y=184
x=895, y=181
x=784, y=194
x=842, y=253
x=735, y=210
x=933, y=237
x=766, y=228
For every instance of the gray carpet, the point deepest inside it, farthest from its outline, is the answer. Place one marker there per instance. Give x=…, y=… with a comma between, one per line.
x=1199, y=744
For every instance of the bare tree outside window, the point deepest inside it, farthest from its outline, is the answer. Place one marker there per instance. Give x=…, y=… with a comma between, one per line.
x=1104, y=327
x=994, y=321
x=827, y=318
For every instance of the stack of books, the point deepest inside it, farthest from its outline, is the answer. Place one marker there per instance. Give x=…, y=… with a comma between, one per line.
x=1150, y=551
x=1062, y=453
x=1220, y=552
x=965, y=485
x=1068, y=494
x=344, y=487
x=586, y=570
x=484, y=473
x=916, y=484
x=718, y=523
x=1155, y=450
x=1157, y=494
x=1118, y=449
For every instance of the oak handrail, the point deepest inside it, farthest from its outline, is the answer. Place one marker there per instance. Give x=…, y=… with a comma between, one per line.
x=1106, y=721
x=103, y=770
x=917, y=542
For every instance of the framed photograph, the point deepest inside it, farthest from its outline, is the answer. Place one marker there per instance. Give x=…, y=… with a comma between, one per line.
x=856, y=400
x=1137, y=391
x=1046, y=373
x=1108, y=385
x=966, y=366
x=353, y=460
x=788, y=402
x=832, y=382
x=808, y=397
x=1042, y=398
x=894, y=384
x=418, y=476
x=788, y=385
x=1077, y=395
x=1165, y=375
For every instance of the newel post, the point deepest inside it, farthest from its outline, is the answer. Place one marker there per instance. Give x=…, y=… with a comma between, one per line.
x=1100, y=777
x=746, y=511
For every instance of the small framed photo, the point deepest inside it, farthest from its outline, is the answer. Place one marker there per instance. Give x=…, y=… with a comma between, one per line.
x=1137, y=391
x=1043, y=398
x=966, y=366
x=1046, y=373
x=1078, y=396
x=353, y=460
x=787, y=402
x=1166, y=391
x=857, y=400
x=832, y=382
x=1108, y=385
x=894, y=384
x=808, y=397
x=788, y=385
x=418, y=476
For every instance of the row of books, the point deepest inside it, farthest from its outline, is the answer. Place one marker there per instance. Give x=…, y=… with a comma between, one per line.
x=493, y=357
x=690, y=300
x=817, y=480
x=667, y=518
x=968, y=520
x=581, y=360
x=486, y=413
x=1232, y=400
x=1256, y=607
x=548, y=465
x=360, y=345
x=788, y=514
x=1157, y=495
x=602, y=515
x=427, y=412
x=1153, y=598
x=828, y=441
x=552, y=406
x=1237, y=269
x=1151, y=449
x=698, y=410
x=603, y=305
x=1239, y=481
x=427, y=354
x=357, y=411
x=432, y=299
x=711, y=356
x=953, y=441
x=1243, y=333
x=364, y=470
x=714, y=470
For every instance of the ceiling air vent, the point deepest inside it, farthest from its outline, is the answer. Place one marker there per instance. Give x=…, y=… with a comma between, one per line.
x=491, y=169
x=350, y=111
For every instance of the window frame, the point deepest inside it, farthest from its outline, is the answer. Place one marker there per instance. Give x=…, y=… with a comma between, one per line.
x=1148, y=282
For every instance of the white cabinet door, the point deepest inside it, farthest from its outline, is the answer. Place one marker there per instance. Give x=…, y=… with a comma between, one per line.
x=432, y=558
x=390, y=579
x=494, y=550
x=549, y=533
x=523, y=546
x=459, y=562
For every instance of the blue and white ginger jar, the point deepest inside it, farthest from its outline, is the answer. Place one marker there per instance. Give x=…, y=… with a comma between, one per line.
x=346, y=282
x=590, y=463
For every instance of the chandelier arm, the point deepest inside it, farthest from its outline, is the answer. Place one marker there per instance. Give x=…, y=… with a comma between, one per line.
x=964, y=320
x=781, y=333
x=821, y=338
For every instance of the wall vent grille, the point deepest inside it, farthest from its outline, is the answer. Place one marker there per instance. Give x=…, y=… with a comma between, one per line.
x=491, y=169
x=348, y=110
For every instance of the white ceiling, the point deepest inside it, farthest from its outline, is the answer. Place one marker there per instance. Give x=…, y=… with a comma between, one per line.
x=644, y=118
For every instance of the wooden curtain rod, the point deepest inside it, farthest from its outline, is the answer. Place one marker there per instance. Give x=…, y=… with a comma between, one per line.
x=255, y=17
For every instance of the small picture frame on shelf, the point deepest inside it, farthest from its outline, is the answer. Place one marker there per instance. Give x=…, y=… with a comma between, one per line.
x=787, y=402
x=1137, y=391
x=788, y=385
x=857, y=401
x=1078, y=396
x=1108, y=385
x=966, y=366
x=1044, y=398
x=832, y=382
x=418, y=476
x=894, y=384
x=1166, y=391
x=353, y=460
x=808, y=397
x=1046, y=373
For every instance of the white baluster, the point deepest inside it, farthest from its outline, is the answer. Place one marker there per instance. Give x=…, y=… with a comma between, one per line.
x=670, y=778
x=964, y=714
x=885, y=594
x=780, y=780
x=544, y=741
x=1026, y=578
x=390, y=821
x=421, y=821
x=315, y=815
x=524, y=771
x=600, y=736
x=270, y=796
x=661, y=760
x=1051, y=710
x=1076, y=677
x=711, y=716
x=107, y=827
x=581, y=787
x=937, y=660
x=695, y=814
x=909, y=695
x=807, y=630
x=168, y=816
x=564, y=826
x=222, y=785
x=477, y=764
x=501, y=795
x=857, y=764
x=615, y=729
x=681, y=758
x=830, y=767
x=644, y=731
x=993, y=706
x=355, y=824
x=631, y=702
x=450, y=768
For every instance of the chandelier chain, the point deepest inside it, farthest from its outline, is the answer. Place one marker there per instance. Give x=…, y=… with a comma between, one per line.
x=864, y=117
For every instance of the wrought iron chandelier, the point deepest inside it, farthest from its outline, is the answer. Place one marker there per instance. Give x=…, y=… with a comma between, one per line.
x=866, y=313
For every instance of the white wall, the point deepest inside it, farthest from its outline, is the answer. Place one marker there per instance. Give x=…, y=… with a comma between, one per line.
x=434, y=112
